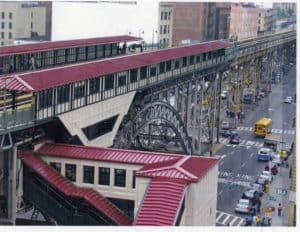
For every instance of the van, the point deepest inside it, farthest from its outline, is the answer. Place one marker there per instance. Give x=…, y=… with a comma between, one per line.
x=263, y=127
x=264, y=154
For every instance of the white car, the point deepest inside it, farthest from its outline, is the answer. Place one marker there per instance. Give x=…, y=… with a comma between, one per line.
x=224, y=94
x=267, y=176
x=243, y=206
x=288, y=100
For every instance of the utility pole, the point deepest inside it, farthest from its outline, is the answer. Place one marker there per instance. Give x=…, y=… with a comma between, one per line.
x=219, y=105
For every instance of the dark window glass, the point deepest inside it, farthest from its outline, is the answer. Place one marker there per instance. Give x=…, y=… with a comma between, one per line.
x=2, y=15
x=10, y=15
x=88, y=174
x=161, y=15
x=104, y=176
x=79, y=91
x=162, y=66
x=209, y=55
x=169, y=15
x=166, y=15
x=122, y=80
x=100, y=128
x=71, y=172
x=168, y=65
x=152, y=71
x=10, y=35
x=2, y=25
x=197, y=59
x=191, y=59
x=56, y=166
x=204, y=57
x=45, y=98
x=120, y=177
x=177, y=64
x=133, y=75
x=184, y=61
x=143, y=72
x=109, y=82
x=94, y=85
x=133, y=179
x=63, y=94
x=2, y=35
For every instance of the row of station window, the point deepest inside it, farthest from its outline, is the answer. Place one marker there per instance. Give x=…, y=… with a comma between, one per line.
x=27, y=61
x=88, y=174
x=109, y=82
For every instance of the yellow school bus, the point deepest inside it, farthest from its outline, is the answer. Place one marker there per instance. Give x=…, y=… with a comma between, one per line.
x=263, y=127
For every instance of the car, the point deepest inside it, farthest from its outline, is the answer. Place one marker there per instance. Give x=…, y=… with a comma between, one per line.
x=234, y=139
x=224, y=94
x=264, y=154
x=288, y=100
x=261, y=94
x=269, y=178
x=228, y=133
x=261, y=181
x=258, y=188
x=252, y=195
x=243, y=206
x=225, y=125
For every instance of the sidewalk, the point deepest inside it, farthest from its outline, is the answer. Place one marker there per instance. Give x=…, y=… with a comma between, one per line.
x=278, y=193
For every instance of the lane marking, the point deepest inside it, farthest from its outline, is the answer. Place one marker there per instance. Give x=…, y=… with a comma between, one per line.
x=224, y=221
x=252, y=154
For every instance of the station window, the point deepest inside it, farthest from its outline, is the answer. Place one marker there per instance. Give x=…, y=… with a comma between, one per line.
x=184, y=61
x=192, y=59
x=209, y=56
x=152, y=71
x=100, y=128
x=56, y=166
x=60, y=56
x=81, y=55
x=204, y=56
x=45, y=98
x=133, y=75
x=71, y=57
x=197, y=59
x=177, y=64
x=63, y=94
x=79, y=91
x=121, y=80
x=88, y=174
x=143, y=72
x=168, y=65
x=91, y=52
x=162, y=67
x=109, y=82
x=71, y=172
x=104, y=176
x=133, y=179
x=120, y=177
x=94, y=85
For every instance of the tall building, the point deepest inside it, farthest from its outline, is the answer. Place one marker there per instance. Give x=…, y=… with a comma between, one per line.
x=179, y=21
x=24, y=20
x=292, y=196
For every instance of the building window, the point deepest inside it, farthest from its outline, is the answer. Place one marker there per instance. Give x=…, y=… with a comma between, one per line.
x=45, y=98
x=2, y=35
x=71, y=172
x=143, y=72
x=133, y=179
x=10, y=25
x=184, y=61
x=120, y=177
x=63, y=94
x=109, y=82
x=197, y=59
x=2, y=15
x=168, y=29
x=162, y=66
x=10, y=35
x=191, y=59
x=166, y=15
x=121, y=80
x=10, y=15
x=100, y=128
x=31, y=25
x=133, y=75
x=88, y=174
x=169, y=15
x=168, y=65
x=94, y=85
x=79, y=91
x=177, y=64
x=56, y=166
x=152, y=71
x=165, y=29
x=2, y=25
x=161, y=15
x=104, y=176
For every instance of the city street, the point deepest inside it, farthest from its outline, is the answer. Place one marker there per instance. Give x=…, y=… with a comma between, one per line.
x=238, y=166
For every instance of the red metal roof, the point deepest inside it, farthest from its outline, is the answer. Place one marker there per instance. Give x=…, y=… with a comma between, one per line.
x=52, y=45
x=104, y=154
x=14, y=83
x=49, y=78
x=161, y=203
x=69, y=189
x=187, y=168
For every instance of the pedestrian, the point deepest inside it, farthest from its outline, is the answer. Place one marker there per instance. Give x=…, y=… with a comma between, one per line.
x=258, y=205
x=254, y=219
x=279, y=209
x=258, y=220
x=269, y=221
x=267, y=168
x=263, y=221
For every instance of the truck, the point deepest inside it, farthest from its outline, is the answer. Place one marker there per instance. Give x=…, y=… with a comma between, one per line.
x=272, y=140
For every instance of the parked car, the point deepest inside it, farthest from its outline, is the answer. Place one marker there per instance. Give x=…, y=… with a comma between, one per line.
x=224, y=94
x=243, y=206
x=234, y=139
x=261, y=181
x=252, y=195
x=258, y=187
x=267, y=176
x=228, y=133
x=288, y=100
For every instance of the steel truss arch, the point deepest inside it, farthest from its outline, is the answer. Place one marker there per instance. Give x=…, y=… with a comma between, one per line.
x=162, y=112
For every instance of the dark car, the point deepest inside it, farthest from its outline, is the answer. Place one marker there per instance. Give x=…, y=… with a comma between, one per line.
x=234, y=139
x=228, y=133
x=252, y=195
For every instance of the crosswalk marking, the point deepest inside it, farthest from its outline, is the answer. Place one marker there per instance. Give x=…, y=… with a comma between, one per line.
x=233, y=220
x=276, y=131
x=243, y=142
